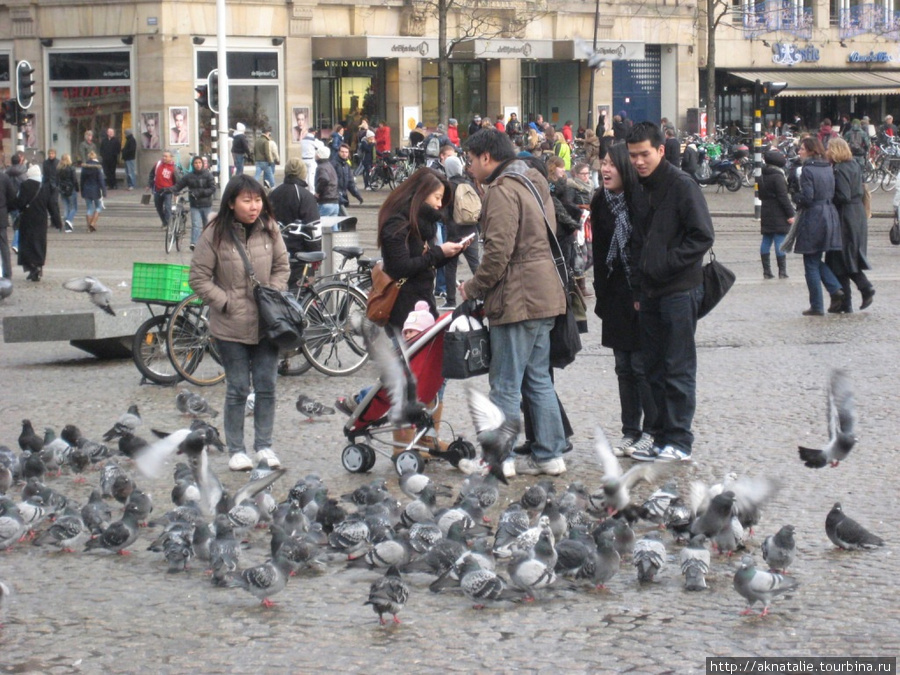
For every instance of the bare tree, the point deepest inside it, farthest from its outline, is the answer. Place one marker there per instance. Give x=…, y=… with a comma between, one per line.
x=716, y=11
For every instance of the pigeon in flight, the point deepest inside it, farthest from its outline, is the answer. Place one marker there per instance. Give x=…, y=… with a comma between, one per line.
x=388, y=595
x=847, y=533
x=614, y=495
x=841, y=425
x=396, y=378
x=758, y=586
x=494, y=432
x=99, y=294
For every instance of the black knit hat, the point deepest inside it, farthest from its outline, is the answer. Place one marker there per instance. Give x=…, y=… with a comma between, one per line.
x=775, y=158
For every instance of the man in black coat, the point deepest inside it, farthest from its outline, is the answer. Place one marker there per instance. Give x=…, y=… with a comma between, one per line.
x=110, y=147
x=673, y=148
x=292, y=201
x=668, y=247
x=129, y=155
x=345, y=179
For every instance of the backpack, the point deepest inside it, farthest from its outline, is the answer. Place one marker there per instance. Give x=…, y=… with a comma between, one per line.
x=466, y=205
x=855, y=141
x=433, y=146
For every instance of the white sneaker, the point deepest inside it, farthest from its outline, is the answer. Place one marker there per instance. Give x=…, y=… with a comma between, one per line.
x=240, y=462
x=643, y=444
x=531, y=467
x=269, y=456
x=68, y=227
x=624, y=448
x=509, y=467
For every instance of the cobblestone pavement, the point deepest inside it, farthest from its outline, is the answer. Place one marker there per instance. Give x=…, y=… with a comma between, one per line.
x=761, y=390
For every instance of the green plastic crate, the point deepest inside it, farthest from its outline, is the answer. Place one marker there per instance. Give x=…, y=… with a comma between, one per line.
x=159, y=282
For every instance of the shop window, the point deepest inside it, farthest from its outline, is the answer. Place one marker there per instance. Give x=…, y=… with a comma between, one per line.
x=74, y=110
x=346, y=90
x=466, y=91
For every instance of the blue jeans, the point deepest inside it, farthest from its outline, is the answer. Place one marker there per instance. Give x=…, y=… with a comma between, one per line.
x=668, y=324
x=238, y=164
x=329, y=209
x=768, y=240
x=266, y=170
x=199, y=217
x=93, y=206
x=245, y=364
x=818, y=273
x=520, y=366
x=162, y=199
x=635, y=396
x=71, y=204
x=130, y=173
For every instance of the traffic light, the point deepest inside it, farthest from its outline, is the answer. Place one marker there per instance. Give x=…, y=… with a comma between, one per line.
x=212, y=83
x=24, y=84
x=11, y=112
x=202, y=97
x=770, y=90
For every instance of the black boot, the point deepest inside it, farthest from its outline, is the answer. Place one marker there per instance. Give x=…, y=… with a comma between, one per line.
x=782, y=266
x=767, y=265
x=837, y=303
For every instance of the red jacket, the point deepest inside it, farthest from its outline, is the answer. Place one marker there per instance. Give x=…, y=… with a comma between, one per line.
x=567, y=132
x=164, y=176
x=499, y=126
x=453, y=135
x=383, y=139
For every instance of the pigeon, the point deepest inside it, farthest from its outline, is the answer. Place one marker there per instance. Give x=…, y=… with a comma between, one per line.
x=12, y=527
x=191, y=403
x=677, y=519
x=6, y=479
x=695, y=563
x=213, y=438
x=494, y=432
x=595, y=60
x=758, y=586
x=224, y=550
x=28, y=440
x=33, y=466
x=614, y=494
x=388, y=595
x=396, y=378
x=66, y=532
x=841, y=425
x=530, y=574
x=717, y=518
x=383, y=554
x=142, y=504
x=110, y=474
x=250, y=405
x=264, y=580
x=483, y=585
x=300, y=552
x=484, y=488
x=95, y=452
x=778, y=549
x=655, y=506
x=55, y=452
x=312, y=409
x=412, y=483
x=120, y=534
x=131, y=445
x=846, y=533
x=607, y=564
x=99, y=294
x=649, y=557
x=96, y=514
x=128, y=422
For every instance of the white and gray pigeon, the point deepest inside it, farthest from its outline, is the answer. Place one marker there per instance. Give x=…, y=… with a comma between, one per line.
x=388, y=595
x=5, y=595
x=127, y=423
x=264, y=580
x=99, y=294
x=779, y=549
x=614, y=494
x=12, y=527
x=483, y=585
x=758, y=586
x=191, y=403
x=841, y=414
x=494, y=432
x=311, y=409
x=649, y=557
x=66, y=532
x=694, y=561
x=847, y=533
x=396, y=377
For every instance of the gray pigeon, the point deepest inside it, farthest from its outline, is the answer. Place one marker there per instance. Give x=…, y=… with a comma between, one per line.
x=758, y=586
x=120, y=534
x=5, y=595
x=482, y=585
x=841, y=425
x=127, y=423
x=96, y=514
x=264, y=580
x=778, y=549
x=197, y=406
x=649, y=557
x=847, y=533
x=66, y=532
x=388, y=595
x=614, y=495
x=695, y=564
x=494, y=432
x=12, y=527
x=717, y=518
x=312, y=409
x=99, y=294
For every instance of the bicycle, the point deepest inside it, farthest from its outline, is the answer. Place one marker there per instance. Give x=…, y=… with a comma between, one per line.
x=388, y=170
x=189, y=341
x=149, y=349
x=178, y=221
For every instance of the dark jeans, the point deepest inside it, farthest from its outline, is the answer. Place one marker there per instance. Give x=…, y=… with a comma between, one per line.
x=245, y=365
x=635, y=396
x=53, y=209
x=668, y=324
x=472, y=257
x=109, y=171
x=5, y=260
x=162, y=199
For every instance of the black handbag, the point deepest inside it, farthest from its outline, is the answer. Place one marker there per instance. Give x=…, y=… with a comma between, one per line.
x=467, y=353
x=717, y=281
x=280, y=314
x=894, y=233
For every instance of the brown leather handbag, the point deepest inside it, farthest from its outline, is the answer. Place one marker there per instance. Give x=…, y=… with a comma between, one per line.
x=382, y=295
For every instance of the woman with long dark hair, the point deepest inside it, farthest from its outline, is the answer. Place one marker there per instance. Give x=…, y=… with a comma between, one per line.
x=614, y=208
x=818, y=226
x=219, y=276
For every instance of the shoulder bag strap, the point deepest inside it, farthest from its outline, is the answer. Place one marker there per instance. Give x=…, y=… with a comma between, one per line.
x=243, y=251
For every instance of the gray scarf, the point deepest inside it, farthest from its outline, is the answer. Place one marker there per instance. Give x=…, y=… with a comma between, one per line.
x=618, y=246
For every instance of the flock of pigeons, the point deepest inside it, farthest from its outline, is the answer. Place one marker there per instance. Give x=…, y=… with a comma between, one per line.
x=551, y=539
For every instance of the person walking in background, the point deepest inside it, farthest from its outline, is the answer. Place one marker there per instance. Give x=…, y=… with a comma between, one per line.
x=240, y=148
x=382, y=137
x=367, y=156
x=308, y=147
x=110, y=148
x=292, y=202
x=345, y=181
x=129, y=155
x=614, y=209
x=201, y=188
x=50, y=170
x=465, y=211
x=68, y=190
x=673, y=148
x=848, y=263
x=219, y=276
x=578, y=194
x=593, y=156
x=667, y=277
x=265, y=159
x=858, y=140
x=818, y=228
x=33, y=203
x=87, y=146
x=776, y=215
x=326, y=184
x=93, y=190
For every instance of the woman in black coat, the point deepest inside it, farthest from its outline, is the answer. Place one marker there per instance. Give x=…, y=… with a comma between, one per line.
x=618, y=203
x=776, y=215
x=848, y=263
x=407, y=222
x=33, y=204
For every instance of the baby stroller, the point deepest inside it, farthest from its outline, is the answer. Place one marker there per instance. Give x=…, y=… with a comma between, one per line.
x=370, y=431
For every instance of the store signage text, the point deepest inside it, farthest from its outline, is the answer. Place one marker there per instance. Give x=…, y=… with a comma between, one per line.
x=871, y=57
x=328, y=63
x=420, y=48
x=785, y=54
x=264, y=73
x=92, y=92
x=524, y=49
x=116, y=74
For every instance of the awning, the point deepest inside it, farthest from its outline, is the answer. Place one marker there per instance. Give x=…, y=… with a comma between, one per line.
x=497, y=48
x=374, y=47
x=829, y=83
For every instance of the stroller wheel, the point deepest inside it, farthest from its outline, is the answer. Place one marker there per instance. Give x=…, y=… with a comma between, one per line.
x=408, y=460
x=459, y=449
x=370, y=456
x=355, y=458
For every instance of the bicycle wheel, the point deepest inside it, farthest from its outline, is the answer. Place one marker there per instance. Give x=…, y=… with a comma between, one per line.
x=889, y=182
x=192, y=349
x=293, y=362
x=170, y=232
x=150, y=353
x=376, y=180
x=331, y=341
x=180, y=227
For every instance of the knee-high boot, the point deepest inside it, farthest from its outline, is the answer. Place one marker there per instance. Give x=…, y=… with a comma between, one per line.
x=782, y=266
x=766, y=265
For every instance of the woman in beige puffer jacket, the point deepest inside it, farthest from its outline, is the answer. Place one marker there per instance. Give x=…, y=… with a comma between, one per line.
x=219, y=277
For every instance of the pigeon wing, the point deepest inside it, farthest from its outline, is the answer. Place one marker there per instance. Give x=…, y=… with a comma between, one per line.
x=150, y=460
